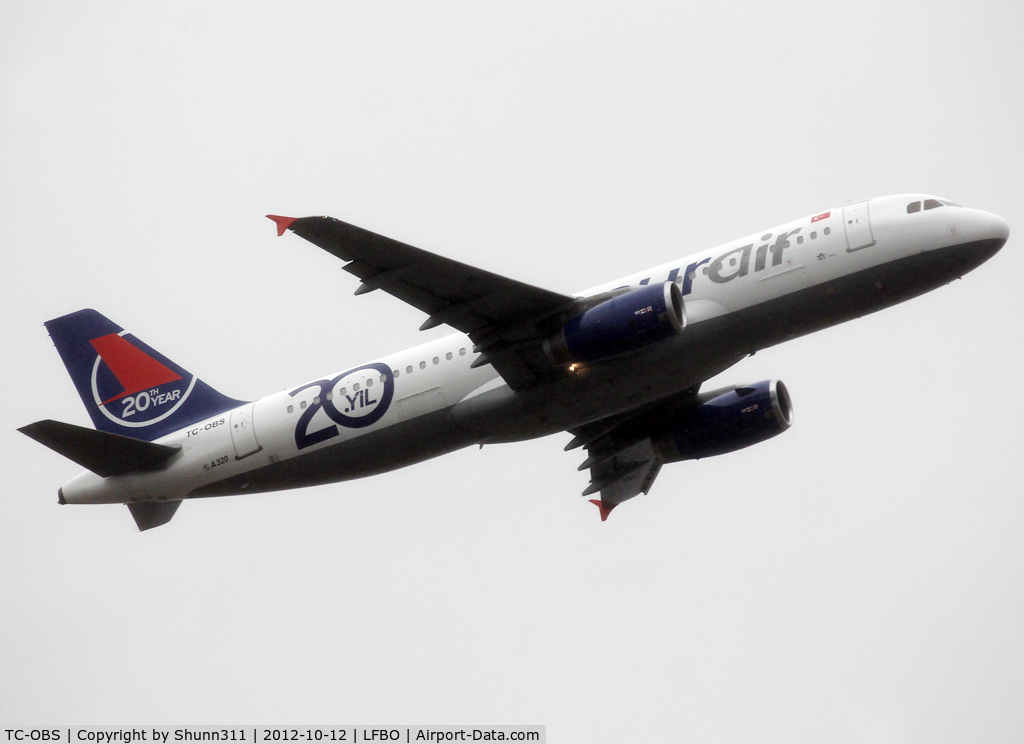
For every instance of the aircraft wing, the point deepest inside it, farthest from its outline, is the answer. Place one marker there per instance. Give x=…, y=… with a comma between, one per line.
x=503, y=317
x=620, y=454
x=627, y=473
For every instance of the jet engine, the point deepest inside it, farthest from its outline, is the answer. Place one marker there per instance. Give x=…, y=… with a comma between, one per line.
x=727, y=422
x=620, y=325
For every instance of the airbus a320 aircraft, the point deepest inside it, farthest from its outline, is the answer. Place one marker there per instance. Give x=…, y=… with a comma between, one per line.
x=618, y=366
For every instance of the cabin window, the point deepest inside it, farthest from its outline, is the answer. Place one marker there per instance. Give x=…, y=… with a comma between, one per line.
x=462, y=352
x=423, y=365
x=343, y=391
x=448, y=356
x=436, y=360
x=827, y=231
x=383, y=378
x=913, y=207
x=329, y=396
x=355, y=387
x=394, y=372
x=316, y=400
x=408, y=370
x=302, y=404
x=799, y=239
x=814, y=235
x=369, y=383
x=932, y=203
x=291, y=408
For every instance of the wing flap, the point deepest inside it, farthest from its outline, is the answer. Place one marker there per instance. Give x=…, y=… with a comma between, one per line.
x=626, y=474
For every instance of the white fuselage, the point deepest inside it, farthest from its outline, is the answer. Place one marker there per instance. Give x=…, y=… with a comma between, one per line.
x=848, y=255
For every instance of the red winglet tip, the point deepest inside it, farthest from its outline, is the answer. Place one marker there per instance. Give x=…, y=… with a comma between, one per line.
x=283, y=223
x=605, y=508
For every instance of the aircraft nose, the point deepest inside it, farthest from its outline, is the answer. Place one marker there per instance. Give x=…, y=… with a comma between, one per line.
x=992, y=227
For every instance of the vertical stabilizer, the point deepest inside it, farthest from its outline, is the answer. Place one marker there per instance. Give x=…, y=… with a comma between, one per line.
x=149, y=515
x=129, y=388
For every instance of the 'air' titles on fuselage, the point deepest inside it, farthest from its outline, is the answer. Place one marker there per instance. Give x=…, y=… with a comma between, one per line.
x=717, y=268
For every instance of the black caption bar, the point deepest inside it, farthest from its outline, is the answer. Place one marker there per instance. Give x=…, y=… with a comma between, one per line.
x=263, y=734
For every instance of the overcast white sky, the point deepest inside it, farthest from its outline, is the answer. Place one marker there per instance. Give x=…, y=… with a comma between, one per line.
x=859, y=579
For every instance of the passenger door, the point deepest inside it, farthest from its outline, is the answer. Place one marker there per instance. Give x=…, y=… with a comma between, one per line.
x=243, y=433
x=857, y=222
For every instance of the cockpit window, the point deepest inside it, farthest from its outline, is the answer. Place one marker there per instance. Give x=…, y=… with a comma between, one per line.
x=949, y=203
x=913, y=207
x=932, y=203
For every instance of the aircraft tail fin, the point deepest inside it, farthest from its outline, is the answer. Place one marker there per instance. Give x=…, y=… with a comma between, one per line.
x=101, y=452
x=148, y=515
x=129, y=388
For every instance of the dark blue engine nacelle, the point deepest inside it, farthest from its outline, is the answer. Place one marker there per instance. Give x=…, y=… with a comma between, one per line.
x=621, y=325
x=727, y=422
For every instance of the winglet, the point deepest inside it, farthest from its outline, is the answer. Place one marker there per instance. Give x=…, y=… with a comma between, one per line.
x=605, y=507
x=283, y=223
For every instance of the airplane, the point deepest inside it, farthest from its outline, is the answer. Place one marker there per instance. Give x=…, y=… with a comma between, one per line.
x=618, y=366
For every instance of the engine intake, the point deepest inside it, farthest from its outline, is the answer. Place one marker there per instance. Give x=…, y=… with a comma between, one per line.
x=727, y=422
x=620, y=325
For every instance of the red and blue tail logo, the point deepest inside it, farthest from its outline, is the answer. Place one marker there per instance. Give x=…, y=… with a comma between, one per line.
x=128, y=387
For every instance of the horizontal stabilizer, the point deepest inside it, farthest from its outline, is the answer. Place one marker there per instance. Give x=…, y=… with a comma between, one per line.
x=153, y=514
x=101, y=452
